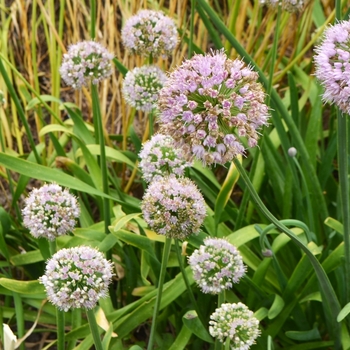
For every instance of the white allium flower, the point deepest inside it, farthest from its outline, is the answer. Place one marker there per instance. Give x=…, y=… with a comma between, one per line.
x=216, y=265
x=77, y=278
x=236, y=322
x=141, y=87
x=160, y=157
x=50, y=211
x=85, y=62
x=150, y=33
x=173, y=207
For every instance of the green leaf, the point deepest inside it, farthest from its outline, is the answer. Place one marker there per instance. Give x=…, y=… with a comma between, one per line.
x=22, y=287
x=41, y=172
x=192, y=322
x=27, y=258
x=312, y=334
x=335, y=225
x=111, y=153
x=344, y=312
x=121, y=222
x=42, y=98
x=276, y=308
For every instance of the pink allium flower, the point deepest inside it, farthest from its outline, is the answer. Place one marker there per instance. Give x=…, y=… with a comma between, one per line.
x=141, y=87
x=173, y=207
x=208, y=103
x=160, y=157
x=236, y=322
x=216, y=265
x=77, y=278
x=50, y=211
x=287, y=5
x=85, y=62
x=150, y=33
x=333, y=65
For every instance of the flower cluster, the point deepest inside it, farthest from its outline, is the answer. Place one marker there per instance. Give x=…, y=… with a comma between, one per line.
x=50, y=211
x=150, y=33
x=216, y=265
x=287, y=5
x=160, y=157
x=236, y=322
x=141, y=87
x=85, y=62
x=208, y=102
x=77, y=278
x=173, y=207
x=333, y=65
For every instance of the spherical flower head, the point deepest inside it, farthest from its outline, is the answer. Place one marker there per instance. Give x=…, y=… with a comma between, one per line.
x=85, y=62
x=333, y=65
x=50, y=211
x=208, y=103
x=173, y=207
x=141, y=87
x=236, y=322
x=216, y=265
x=160, y=157
x=77, y=278
x=150, y=33
x=291, y=6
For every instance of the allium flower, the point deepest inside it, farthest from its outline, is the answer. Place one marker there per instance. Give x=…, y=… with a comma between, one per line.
x=141, y=87
x=77, y=278
x=216, y=265
x=333, y=65
x=287, y=5
x=236, y=322
x=85, y=62
x=150, y=33
x=173, y=207
x=208, y=102
x=160, y=157
x=50, y=211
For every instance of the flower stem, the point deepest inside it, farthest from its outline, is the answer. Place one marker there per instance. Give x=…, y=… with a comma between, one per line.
x=187, y=283
x=329, y=297
x=103, y=161
x=60, y=329
x=344, y=193
x=94, y=329
x=165, y=258
x=221, y=300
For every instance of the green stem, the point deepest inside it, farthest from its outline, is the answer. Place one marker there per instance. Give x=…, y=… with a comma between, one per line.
x=274, y=54
x=308, y=200
x=151, y=124
x=19, y=317
x=190, y=42
x=165, y=258
x=344, y=194
x=328, y=295
x=76, y=322
x=103, y=161
x=52, y=245
x=221, y=300
x=60, y=329
x=94, y=329
x=188, y=286
x=93, y=19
